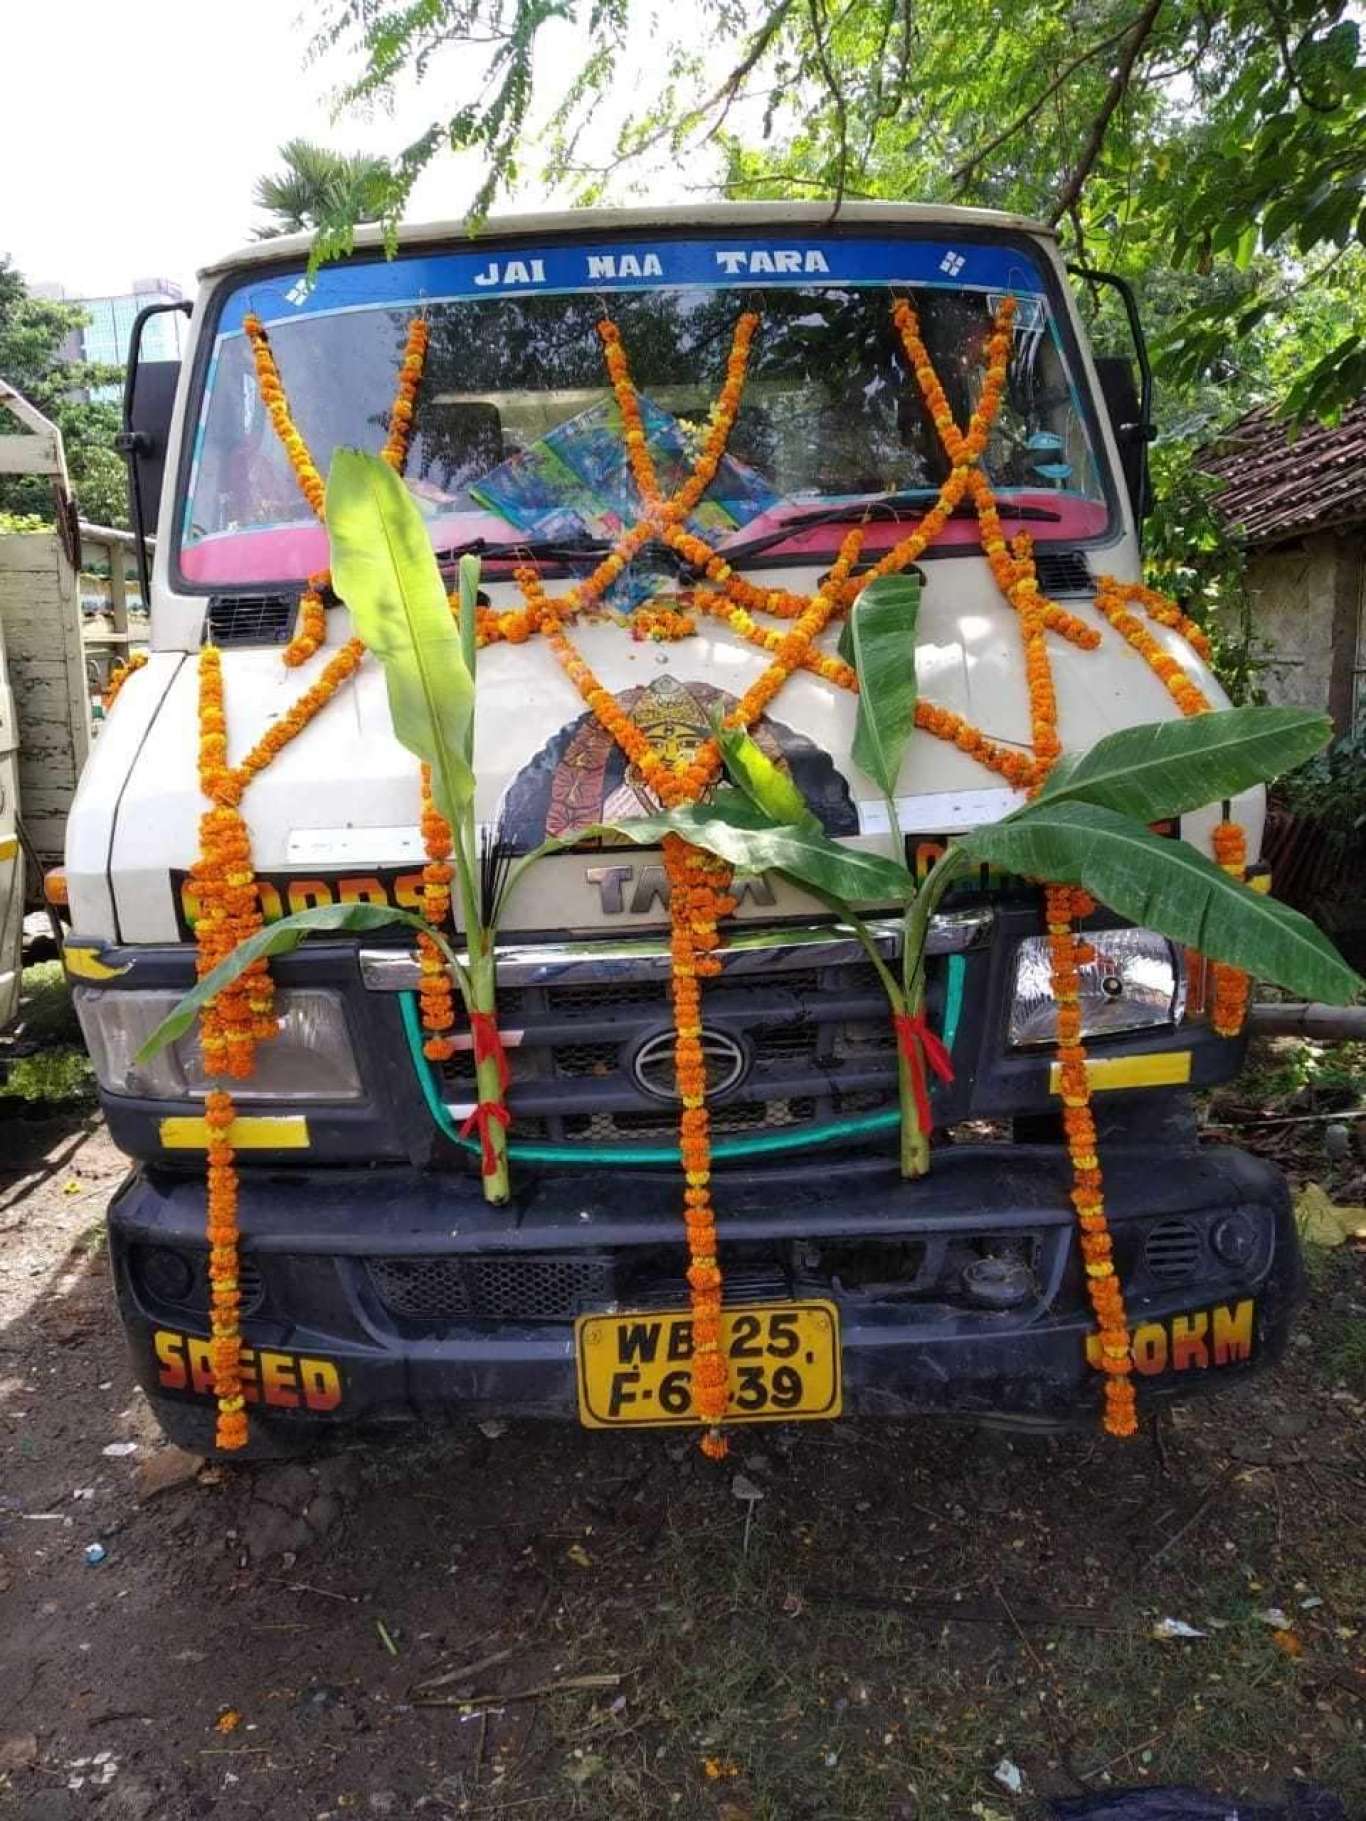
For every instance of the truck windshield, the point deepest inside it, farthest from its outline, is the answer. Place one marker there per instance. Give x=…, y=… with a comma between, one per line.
x=517, y=438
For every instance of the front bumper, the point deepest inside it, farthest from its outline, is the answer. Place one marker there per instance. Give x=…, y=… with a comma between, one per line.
x=391, y=1294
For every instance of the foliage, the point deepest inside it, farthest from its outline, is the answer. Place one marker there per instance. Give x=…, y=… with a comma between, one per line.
x=316, y=186
x=384, y=570
x=32, y=331
x=1219, y=141
x=1166, y=768
x=1331, y=787
x=59, y=1073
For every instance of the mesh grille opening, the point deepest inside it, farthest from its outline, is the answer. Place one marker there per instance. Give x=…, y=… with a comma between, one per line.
x=1064, y=572
x=251, y=619
x=758, y=1116
x=585, y=1058
x=490, y=1289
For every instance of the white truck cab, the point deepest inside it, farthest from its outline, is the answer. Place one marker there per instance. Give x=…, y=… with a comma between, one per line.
x=379, y=1285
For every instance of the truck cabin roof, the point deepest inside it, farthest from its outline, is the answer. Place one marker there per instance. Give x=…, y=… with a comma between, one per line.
x=715, y=215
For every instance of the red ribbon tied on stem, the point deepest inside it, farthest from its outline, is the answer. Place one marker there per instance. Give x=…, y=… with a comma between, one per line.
x=483, y=1116
x=488, y=1046
x=919, y=1045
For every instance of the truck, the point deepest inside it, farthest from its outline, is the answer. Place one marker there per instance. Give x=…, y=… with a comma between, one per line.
x=378, y=1286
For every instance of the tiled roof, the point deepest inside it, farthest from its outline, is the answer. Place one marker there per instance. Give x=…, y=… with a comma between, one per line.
x=1280, y=482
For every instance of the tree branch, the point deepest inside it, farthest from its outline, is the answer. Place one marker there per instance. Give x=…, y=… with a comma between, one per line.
x=1138, y=36
x=721, y=97
x=837, y=96
x=970, y=166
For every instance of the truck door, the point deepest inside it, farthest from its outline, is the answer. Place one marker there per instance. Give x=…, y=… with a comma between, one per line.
x=11, y=856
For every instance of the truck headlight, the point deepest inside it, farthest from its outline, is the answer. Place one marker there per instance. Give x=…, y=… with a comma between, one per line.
x=310, y=1058
x=1136, y=983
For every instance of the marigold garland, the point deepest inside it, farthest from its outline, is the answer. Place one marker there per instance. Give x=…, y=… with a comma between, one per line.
x=119, y=675
x=699, y=884
x=436, y=991
x=311, y=631
x=698, y=897
x=1062, y=906
x=1232, y=988
x=1231, y=985
x=242, y=1015
x=664, y=625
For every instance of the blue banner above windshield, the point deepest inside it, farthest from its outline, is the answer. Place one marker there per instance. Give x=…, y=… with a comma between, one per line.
x=726, y=263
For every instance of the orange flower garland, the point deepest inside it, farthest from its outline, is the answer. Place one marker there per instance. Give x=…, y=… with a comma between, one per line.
x=1110, y=600
x=1012, y=567
x=1232, y=988
x=698, y=898
x=1231, y=984
x=401, y=412
x=119, y=675
x=664, y=625
x=1062, y=906
x=273, y=397
x=311, y=632
x=436, y=991
x=240, y=1017
x=700, y=893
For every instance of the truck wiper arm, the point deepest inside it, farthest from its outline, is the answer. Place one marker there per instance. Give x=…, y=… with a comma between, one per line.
x=556, y=547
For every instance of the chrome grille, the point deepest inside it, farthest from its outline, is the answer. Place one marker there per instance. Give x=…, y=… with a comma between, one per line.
x=816, y=1043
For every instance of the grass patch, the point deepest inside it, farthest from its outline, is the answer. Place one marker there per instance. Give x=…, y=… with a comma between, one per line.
x=58, y=1074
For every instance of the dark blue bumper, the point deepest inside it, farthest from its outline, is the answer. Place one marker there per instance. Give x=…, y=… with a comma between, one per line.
x=392, y=1294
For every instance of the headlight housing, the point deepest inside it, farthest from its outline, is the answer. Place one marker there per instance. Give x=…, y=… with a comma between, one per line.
x=1137, y=982
x=310, y=1058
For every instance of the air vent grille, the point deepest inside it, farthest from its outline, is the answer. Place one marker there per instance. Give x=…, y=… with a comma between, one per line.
x=1064, y=572
x=251, y=619
x=1172, y=1251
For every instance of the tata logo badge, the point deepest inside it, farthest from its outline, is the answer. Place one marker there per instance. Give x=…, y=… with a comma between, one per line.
x=952, y=263
x=723, y=1058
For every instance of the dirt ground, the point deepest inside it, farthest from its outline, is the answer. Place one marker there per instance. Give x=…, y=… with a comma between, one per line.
x=860, y=1621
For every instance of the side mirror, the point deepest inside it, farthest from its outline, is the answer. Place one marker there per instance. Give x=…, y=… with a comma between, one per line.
x=149, y=390
x=1119, y=389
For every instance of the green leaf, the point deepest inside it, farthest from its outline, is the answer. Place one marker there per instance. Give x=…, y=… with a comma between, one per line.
x=739, y=832
x=882, y=625
x=275, y=939
x=1165, y=885
x=768, y=786
x=384, y=569
x=1164, y=768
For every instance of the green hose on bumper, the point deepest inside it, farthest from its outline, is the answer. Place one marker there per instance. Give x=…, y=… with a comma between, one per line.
x=836, y=1132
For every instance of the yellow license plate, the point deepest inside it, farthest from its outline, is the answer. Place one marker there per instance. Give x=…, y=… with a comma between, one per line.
x=783, y=1359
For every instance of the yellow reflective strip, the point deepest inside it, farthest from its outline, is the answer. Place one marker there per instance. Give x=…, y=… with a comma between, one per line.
x=248, y=1132
x=1167, y=1069
x=83, y=963
x=9, y=847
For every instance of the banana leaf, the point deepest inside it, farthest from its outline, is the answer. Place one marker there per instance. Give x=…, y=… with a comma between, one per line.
x=767, y=785
x=1166, y=885
x=275, y=939
x=1164, y=768
x=384, y=569
x=736, y=830
x=881, y=641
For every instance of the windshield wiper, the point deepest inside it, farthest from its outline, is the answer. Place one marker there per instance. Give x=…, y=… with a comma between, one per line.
x=561, y=550
x=811, y=517
x=556, y=548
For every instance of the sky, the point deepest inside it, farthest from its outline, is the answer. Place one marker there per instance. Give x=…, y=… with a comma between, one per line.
x=142, y=125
